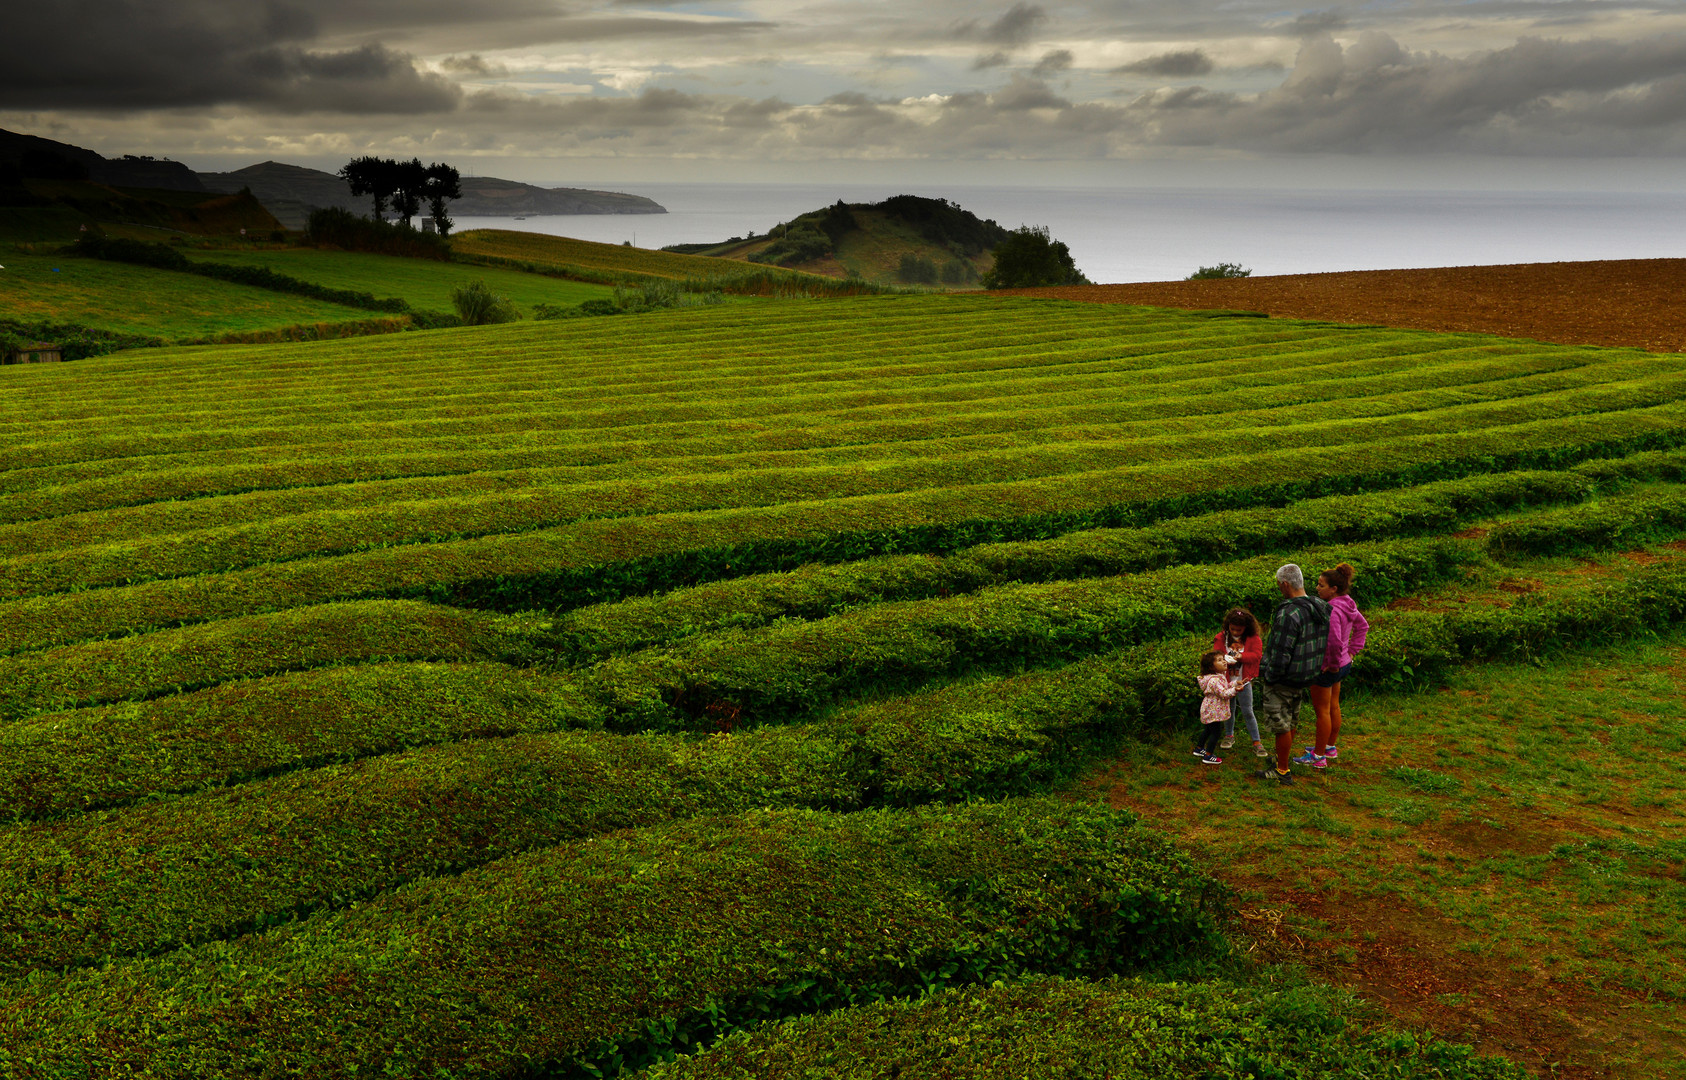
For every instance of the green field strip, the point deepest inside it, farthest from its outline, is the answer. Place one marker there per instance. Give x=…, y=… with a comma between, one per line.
x=1623, y=521
x=308, y=514
x=882, y=393
x=141, y=558
x=1539, y=393
x=1048, y=1028
x=790, y=671
x=424, y=283
x=90, y=754
x=446, y=454
x=420, y=405
x=1176, y=375
x=165, y=874
x=148, y=301
x=551, y=954
x=327, y=373
x=145, y=665
x=1375, y=395
x=605, y=559
x=600, y=631
x=779, y=400
x=87, y=759
x=746, y=344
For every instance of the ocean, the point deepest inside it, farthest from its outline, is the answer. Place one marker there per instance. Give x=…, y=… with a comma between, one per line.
x=1162, y=234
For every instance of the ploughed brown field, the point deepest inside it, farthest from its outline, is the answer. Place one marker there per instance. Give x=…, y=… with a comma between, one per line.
x=1634, y=302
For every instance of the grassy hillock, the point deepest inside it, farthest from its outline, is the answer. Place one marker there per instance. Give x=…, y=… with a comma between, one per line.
x=905, y=239
x=557, y=698
x=57, y=210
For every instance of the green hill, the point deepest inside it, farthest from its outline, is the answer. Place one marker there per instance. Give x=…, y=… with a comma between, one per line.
x=904, y=240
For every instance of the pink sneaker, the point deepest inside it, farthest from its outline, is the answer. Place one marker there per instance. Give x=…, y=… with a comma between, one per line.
x=1333, y=753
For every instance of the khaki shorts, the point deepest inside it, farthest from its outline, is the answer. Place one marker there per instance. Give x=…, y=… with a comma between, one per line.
x=1281, y=706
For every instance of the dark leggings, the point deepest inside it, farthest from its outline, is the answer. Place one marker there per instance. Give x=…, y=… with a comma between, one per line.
x=1209, y=736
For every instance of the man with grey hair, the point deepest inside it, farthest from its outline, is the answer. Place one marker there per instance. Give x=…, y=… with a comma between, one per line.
x=1299, y=636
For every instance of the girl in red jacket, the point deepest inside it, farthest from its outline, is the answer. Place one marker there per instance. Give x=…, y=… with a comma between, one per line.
x=1239, y=640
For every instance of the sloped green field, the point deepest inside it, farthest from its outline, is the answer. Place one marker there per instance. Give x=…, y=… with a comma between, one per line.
x=548, y=698
x=424, y=283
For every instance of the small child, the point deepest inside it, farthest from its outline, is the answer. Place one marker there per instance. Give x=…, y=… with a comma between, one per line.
x=1218, y=688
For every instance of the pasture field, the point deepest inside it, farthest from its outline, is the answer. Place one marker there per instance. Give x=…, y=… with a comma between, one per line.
x=141, y=300
x=550, y=699
x=425, y=284
x=557, y=252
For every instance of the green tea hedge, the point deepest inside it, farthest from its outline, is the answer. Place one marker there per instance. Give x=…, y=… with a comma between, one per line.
x=163, y=662
x=86, y=759
x=632, y=944
x=789, y=670
x=1119, y=1029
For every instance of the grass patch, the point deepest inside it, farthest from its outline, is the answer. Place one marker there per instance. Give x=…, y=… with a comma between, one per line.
x=138, y=299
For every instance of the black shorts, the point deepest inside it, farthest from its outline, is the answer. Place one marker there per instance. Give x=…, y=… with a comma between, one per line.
x=1327, y=679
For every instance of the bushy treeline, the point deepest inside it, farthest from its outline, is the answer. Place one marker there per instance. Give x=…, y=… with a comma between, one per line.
x=332, y=227
x=75, y=341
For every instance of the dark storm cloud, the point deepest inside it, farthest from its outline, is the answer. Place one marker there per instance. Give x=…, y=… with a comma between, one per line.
x=1373, y=95
x=279, y=55
x=1313, y=23
x=1184, y=64
x=473, y=64
x=1016, y=26
x=102, y=54
x=991, y=60
x=1053, y=62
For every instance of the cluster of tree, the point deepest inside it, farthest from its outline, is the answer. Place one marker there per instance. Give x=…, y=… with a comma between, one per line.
x=1220, y=271
x=920, y=270
x=1029, y=258
x=405, y=186
x=945, y=224
x=811, y=236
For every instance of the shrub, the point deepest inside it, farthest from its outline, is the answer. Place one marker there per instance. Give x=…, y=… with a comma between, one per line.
x=1222, y=270
x=333, y=227
x=803, y=243
x=1030, y=258
x=917, y=270
x=959, y=272
x=478, y=305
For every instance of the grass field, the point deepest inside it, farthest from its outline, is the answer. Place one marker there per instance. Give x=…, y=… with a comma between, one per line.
x=138, y=299
x=552, y=698
x=425, y=284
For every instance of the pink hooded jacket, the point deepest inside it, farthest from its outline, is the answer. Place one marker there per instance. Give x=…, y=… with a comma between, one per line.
x=1347, y=628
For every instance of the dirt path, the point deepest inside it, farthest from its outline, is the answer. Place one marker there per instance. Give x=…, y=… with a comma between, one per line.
x=1633, y=302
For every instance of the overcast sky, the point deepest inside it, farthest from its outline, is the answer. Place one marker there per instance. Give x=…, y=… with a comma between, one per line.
x=670, y=89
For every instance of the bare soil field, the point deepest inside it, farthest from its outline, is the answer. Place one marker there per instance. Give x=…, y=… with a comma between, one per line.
x=1632, y=302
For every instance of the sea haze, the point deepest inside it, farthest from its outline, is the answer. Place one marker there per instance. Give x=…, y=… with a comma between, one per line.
x=1161, y=234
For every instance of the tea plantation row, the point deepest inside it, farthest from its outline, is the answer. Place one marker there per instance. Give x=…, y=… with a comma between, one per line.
x=550, y=699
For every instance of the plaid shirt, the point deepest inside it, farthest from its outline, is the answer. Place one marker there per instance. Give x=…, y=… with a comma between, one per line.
x=1299, y=640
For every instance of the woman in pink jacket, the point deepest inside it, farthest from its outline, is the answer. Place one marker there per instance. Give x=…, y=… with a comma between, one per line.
x=1347, y=629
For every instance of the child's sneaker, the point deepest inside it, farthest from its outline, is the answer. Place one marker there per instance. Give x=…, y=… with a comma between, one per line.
x=1197, y=752
x=1331, y=753
x=1310, y=758
x=1260, y=749
x=1228, y=741
x=1212, y=759
x=1269, y=773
